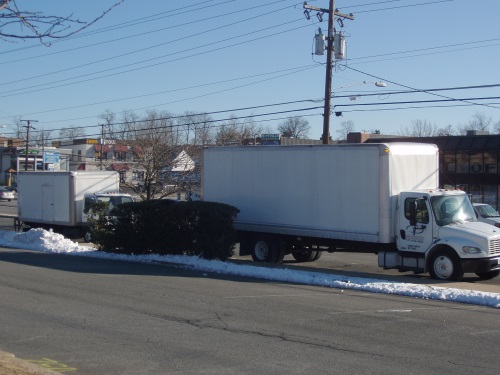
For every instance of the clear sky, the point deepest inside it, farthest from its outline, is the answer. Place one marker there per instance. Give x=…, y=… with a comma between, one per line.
x=220, y=56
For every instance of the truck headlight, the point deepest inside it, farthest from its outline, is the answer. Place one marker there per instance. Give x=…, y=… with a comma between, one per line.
x=471, y=250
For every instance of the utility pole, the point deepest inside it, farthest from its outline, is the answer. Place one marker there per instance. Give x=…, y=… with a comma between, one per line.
x=329, y=60
x=102, y=143
x=28, y=127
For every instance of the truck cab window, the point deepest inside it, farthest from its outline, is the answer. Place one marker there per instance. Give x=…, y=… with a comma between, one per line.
x=422, y=211
x=87, y=203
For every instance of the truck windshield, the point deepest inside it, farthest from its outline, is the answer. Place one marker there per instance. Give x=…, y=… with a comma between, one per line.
x=114, y=201
x=452, y=209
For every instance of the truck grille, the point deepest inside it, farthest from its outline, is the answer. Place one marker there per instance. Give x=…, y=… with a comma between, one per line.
x=494, y=247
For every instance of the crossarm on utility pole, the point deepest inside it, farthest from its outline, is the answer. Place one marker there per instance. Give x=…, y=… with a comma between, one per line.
x=329, y=63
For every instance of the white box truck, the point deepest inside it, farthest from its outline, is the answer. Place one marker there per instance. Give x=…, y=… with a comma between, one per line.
x=380, y=198
x=60, y=200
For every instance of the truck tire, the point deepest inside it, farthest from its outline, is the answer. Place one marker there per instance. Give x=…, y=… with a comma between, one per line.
x=488, y=275
x=445, y=265
x=18, y=224
x=87, y=235
x=267, y=249
x=306, y=255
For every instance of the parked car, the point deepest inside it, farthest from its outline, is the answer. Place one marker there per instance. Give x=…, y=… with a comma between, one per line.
x=6, y=194
x=487, y=214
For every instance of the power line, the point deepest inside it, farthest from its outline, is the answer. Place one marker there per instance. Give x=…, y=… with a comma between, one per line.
x=409, y=107
x=402, y=6
x=427, y=49
x=122, y=72
x=119, y=26
x=281, y=112
x=289, y=70
x=232, y=118
x=385, y=93
x=465, y=100
x=150, y=47
x=419, y=90
x=13, y=92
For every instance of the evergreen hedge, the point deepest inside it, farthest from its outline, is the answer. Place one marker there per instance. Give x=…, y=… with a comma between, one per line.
x=165, y=226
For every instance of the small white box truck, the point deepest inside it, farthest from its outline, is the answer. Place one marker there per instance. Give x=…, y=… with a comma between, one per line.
x=379, y=198
x=60, y=200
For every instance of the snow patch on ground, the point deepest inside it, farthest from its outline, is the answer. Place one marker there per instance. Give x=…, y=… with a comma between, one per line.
x=42, y=240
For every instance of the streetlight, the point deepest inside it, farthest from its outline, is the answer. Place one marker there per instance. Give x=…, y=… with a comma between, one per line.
x=326, y=124
x=376, y=83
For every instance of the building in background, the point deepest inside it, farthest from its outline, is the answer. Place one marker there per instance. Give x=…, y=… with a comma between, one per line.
x=466, y=162
x=14, y=157
x=90, y=154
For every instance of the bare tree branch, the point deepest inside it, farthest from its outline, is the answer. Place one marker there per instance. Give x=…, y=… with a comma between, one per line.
x=38, y=25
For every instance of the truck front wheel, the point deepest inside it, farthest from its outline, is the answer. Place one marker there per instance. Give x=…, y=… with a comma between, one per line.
x=445, y=265
x=87, y=236
x=269, y=250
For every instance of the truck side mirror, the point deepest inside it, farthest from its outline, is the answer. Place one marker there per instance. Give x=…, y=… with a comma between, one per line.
x=413, y=213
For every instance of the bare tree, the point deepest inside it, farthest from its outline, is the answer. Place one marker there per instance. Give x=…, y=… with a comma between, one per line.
x=197, y=128
x=108, y=130
x=16, y=23
x=294, y=127
x=478, y=122
x=420, y=128
x=226, y=135
x=18, y=128
x=346, y=127
x=41, y=137
x=233, y=131
x=69, y=134
x=157, y=142
x=496, y=127
x=445, y=131
x=252, y=129
x=125, y=130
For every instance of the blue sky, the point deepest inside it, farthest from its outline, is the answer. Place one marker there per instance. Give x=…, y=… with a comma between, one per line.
x=220, y=56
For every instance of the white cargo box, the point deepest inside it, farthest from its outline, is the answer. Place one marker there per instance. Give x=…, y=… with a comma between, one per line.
x=346, y=192
x=57, y=197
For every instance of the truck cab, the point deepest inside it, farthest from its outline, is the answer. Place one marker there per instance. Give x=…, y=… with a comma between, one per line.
x=111, y=199
x=437, y=232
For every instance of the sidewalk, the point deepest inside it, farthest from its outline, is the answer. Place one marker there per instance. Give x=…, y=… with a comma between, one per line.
x=10, y=365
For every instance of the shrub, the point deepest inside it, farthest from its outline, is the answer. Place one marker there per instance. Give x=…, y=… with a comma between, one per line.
x=169, y=227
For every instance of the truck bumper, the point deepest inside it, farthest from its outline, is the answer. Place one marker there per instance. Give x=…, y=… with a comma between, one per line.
x=481, y=265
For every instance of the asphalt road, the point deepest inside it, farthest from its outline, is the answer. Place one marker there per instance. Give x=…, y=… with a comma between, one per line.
x=350, y=264
x=87, y=316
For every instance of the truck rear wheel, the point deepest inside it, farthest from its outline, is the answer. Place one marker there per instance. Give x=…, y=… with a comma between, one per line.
x=268, y=249
x=306, y=255
x=445, y=265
